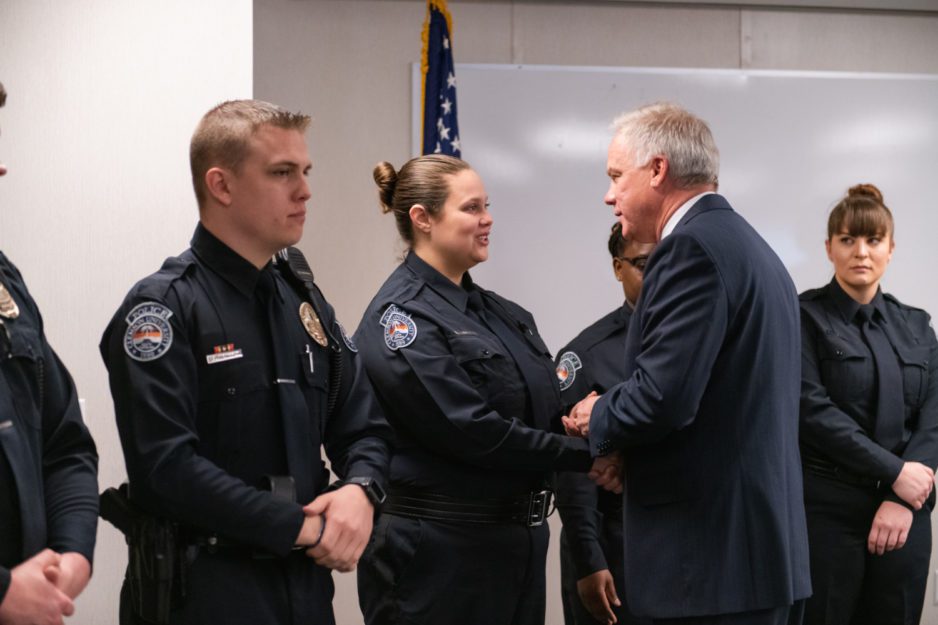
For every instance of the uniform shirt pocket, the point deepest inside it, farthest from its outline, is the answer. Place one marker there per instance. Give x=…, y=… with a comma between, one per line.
x=847, y=371
x=914, y=363
x=492, y=372
x=24, y=370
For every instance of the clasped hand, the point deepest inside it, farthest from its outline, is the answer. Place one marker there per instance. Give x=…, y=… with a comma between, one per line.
x=914, y=484
x=42, y=588
x=339, y=524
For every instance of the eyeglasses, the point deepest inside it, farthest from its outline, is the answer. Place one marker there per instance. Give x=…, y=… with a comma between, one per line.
x=638, y=262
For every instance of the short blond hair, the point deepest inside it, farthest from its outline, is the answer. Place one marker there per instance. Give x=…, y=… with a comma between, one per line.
x=673, y=132
x=222, y=136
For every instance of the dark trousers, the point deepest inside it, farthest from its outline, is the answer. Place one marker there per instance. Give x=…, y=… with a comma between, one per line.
x=239, y=590
x=786, y=615
x=574, y=612
x=421, y=572
x=852, y=586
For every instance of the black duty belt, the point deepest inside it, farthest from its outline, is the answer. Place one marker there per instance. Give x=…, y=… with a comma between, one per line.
x=831, y=471
x=531, y=509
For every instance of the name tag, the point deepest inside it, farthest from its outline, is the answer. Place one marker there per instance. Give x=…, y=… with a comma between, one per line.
x=223, y=356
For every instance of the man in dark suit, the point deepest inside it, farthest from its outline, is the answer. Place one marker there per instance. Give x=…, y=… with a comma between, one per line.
x=707, y=418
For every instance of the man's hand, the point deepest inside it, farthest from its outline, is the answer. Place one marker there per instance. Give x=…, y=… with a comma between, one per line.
x=607, y=472
x=577, y=423
x=349, y=518
x=914, y=484
x=598, y=594
x=890, y=528
x=74, y=573
x=32, y=598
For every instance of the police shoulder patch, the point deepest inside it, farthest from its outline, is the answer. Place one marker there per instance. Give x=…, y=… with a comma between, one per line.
x=346, y=338
x=149, y=334
x=567, y=368
x=399, y=329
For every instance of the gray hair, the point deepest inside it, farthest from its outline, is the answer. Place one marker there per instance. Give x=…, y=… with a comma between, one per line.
x=665, y=129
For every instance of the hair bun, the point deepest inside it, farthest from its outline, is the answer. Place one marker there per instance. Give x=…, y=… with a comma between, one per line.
x=865, y=190
x=386, y=179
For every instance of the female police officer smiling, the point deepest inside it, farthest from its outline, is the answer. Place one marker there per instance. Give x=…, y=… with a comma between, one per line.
x=470, y=390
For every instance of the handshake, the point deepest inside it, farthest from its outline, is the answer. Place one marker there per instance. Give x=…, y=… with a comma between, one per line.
x=606, y=470
x=339, y=543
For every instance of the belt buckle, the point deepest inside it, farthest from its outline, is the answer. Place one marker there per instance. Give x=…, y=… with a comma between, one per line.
x=538, y=506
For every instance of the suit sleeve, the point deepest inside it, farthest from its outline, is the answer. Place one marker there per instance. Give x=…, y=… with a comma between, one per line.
x=434, y=399
x=825, y=426
x=156, y=402
x=4, y=582
x=683, y=320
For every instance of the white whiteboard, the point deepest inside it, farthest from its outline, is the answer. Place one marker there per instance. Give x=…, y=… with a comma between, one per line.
x=791, y=143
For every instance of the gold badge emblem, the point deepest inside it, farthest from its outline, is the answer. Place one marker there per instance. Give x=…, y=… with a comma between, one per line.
x=8, y=307
x=312, y=324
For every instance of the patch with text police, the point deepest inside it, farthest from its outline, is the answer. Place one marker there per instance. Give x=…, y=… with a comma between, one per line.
x=399, y=329
x=149, y=334
x=346, y=338
x=567, y=368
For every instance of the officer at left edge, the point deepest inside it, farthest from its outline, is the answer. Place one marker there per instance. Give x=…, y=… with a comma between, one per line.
x=48, y=467
x=227, y=375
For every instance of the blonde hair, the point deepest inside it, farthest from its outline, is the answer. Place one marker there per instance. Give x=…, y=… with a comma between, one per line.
x=222, y=136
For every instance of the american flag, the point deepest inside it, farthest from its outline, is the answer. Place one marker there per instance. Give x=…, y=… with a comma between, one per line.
x=440, y=129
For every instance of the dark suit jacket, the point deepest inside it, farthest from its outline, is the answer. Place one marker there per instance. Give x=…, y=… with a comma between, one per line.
x=708, y=421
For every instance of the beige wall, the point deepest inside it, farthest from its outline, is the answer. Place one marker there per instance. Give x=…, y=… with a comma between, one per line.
x=104, y=95
x=347, y=62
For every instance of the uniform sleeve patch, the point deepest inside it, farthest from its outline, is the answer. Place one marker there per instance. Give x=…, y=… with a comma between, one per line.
x=346, y=338
x=149, y=334
x=567, y=368
x=399, y=329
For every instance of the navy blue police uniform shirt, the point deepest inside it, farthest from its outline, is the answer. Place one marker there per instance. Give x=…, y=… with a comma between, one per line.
x=48, y=461
x=839, y=385
x=593, y=361
x=217, y=384
x=471, y=410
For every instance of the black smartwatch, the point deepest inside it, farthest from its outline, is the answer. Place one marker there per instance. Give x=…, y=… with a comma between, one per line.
x=372, y=488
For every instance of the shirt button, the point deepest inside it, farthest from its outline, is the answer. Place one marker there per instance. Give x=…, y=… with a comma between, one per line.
x=485, y=352
x=232, y=390
x=839, y=353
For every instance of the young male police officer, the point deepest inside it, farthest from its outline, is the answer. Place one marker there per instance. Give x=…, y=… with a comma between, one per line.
x=48, y=467
x=226, y=377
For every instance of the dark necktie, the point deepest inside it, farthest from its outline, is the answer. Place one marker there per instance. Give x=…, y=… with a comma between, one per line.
x=293, y=409
x=890, y=406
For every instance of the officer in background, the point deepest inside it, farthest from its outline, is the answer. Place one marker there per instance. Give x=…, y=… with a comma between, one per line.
x=591, y=539
x=228, y=378
x=48, y=467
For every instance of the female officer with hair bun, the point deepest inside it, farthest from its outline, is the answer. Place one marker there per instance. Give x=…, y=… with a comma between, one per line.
x=470, y=390
x=869, y=428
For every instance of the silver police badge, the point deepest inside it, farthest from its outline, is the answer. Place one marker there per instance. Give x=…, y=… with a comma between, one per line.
x=567, y=368
x=149, y=334
x=399, y=329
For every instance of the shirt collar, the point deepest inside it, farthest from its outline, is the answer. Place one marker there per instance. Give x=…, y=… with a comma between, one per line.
x=676, y=217
x=848, y=307
x=225, y=261
x=454, y=294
